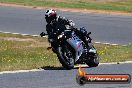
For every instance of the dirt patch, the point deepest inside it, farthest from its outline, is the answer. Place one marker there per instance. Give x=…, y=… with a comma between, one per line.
x=96, y=11
x=108, y=0
x=82, y=0
x=16, y=39
x=73, y=9
x=35, y=43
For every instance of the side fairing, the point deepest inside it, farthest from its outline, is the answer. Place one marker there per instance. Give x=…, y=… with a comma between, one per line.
x=77, y=44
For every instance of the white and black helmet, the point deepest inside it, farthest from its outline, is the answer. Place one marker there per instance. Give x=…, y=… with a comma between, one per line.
x=50, y=15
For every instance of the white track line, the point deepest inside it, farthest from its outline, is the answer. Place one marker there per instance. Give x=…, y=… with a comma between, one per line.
x=46, y=36
x=21, y=71
x=97, y=42
x=106, y=63
x=22, y=34
x=114, y=44
x=106, y=43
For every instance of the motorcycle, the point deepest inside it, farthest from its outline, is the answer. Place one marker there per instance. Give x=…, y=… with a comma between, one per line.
x=71, y=50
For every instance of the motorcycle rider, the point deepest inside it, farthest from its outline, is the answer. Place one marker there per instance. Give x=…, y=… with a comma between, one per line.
x=57, y=24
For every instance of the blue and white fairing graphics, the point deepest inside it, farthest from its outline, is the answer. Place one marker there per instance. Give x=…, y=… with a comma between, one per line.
x=77, y=44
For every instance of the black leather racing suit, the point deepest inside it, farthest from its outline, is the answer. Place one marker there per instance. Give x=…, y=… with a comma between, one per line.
x=54, y=28
x=57, y=26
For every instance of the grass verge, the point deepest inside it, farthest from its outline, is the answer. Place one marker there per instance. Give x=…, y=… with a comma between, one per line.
x=114, y=5
x=27, y=52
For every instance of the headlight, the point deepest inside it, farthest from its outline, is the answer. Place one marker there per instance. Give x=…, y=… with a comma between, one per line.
x=60, y=36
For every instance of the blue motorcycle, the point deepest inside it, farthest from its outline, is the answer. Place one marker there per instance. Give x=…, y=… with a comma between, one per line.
x=71, y=50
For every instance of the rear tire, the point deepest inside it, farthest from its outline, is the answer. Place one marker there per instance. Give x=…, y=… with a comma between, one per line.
x=67, y=61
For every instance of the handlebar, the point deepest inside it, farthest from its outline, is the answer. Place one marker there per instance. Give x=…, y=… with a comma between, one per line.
x=89, y=33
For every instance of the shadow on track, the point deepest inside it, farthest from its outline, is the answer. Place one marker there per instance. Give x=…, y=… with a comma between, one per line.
x=52, y=68
x=58, y=68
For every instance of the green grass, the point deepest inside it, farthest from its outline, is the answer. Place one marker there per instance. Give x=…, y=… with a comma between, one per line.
x=122, y=5
x=114, y=53
x=27, y=52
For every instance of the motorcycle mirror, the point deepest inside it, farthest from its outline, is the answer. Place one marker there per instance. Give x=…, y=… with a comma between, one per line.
x=42, y=34
x=89, y=33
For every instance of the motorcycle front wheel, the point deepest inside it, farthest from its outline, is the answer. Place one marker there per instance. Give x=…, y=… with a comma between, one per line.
x=65, y=56
x=93, y=61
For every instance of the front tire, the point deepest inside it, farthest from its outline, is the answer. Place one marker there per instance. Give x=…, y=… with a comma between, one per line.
x=93, y=61
x=65, y=57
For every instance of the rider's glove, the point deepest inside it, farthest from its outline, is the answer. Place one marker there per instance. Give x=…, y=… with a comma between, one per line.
x=83, y=30
x=71, y=23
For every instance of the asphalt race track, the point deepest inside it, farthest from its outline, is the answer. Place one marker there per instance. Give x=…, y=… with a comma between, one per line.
x=61, y=78
x=104, y=28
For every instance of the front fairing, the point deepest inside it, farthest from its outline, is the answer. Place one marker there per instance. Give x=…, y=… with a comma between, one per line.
x=77, y=44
